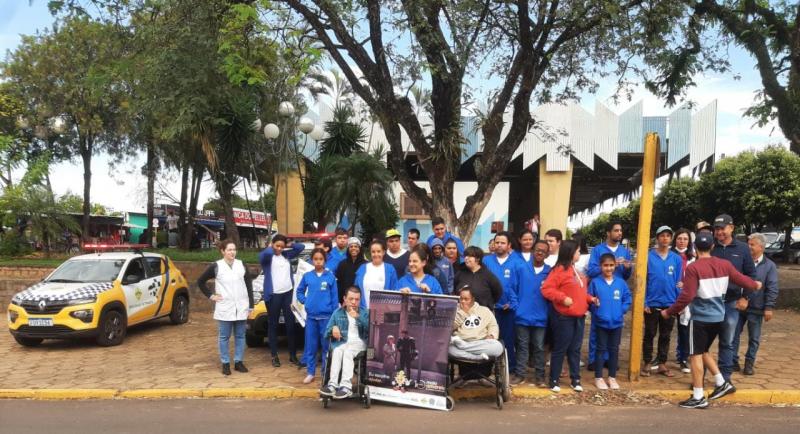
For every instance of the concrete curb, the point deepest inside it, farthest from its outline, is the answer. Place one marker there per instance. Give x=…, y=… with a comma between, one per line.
x=761, y=397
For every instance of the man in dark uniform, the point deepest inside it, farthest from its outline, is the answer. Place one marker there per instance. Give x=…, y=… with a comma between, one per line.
x=407, y=347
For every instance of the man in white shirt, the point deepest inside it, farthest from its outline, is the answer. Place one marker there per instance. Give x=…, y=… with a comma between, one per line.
x=553, y=238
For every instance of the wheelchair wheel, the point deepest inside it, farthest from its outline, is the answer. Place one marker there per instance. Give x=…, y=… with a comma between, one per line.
x=499, y=400
x=367, y=399
x=503, y=382
x=451, y=403
x=325, y=401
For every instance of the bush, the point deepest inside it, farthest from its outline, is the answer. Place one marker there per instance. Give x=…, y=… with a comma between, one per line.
x=14, y=245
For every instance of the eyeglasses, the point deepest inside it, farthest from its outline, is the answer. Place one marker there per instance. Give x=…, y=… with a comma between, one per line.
x=540, y=251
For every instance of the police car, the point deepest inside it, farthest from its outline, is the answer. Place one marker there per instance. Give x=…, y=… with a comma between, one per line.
x=99, y=296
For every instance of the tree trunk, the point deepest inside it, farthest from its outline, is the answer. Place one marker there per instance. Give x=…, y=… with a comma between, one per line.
x=182, y=209
x=86, y=156
x=151, y=180
x=225, y=191
x=189, y=230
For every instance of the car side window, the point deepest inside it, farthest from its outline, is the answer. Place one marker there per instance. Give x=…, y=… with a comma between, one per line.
x=153, y=266
x=135, y=267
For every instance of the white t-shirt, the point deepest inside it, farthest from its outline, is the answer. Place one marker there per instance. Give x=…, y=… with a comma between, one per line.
x=352, y=331
x=399, y=253
x=374, y=279
x=172, y=222
x=281, y=275
x=527, y=256
x=582, y=264
x=613, y=249
x=538, y=270
x=551, y=260
x=502, y=260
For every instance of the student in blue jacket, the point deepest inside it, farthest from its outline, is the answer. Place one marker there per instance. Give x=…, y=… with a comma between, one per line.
x=278, y=292
x=317, y=291
x=664, y=273
x=509, y=271
x=532, y=315
x=613, y=300
x=417, y=279
x=376, y=274
x=622, y=255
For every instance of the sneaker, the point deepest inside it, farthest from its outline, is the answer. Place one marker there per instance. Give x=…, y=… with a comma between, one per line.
x=612, y=383
x=576, y=386
x=226, y=369
x=581, y=363
x=239, y=367
x=517, y=379
x=654, y=366
x=726, y=389
x=685, y=367
x=276, y=362
x=293, y=360
x=736, y=367
x=342, y=393
x=555, y=388
x=694, y=403
x=600, y=384
x=539, y=382
x=748, y=368
x=308, y=380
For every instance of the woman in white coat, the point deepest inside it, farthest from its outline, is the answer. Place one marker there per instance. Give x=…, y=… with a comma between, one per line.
x=233, y=298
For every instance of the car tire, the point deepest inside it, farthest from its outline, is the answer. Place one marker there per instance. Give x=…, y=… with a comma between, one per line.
x=254, y=340
x=28, y=342
x=180, y=310
x=111, y=328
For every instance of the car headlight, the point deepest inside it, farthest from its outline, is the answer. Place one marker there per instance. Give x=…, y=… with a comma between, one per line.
x=81, y=301
x=85, y=315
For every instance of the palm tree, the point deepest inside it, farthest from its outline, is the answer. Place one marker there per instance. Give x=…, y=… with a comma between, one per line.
x=344, y=137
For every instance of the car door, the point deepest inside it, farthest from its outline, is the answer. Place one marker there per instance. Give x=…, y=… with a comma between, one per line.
x=156, y=272
x=141, y=298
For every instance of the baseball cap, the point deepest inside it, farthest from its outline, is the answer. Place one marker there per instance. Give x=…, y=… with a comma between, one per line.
x=704, y=241
x=353, y=240
x=723, y=220
x=702, y=224
x=664, y=228
x=392, y=233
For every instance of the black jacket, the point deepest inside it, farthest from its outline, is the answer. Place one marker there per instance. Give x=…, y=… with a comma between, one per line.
x=346, y=273
x=486, y=289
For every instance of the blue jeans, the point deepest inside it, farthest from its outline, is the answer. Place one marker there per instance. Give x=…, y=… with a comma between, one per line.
x=315, y=337
x=280, y=303
x=225, y=329
x=593, y=344
x=607, y=343
x=567, y=340
x=726, y=334
x=505, y=321
x=754, y=321
x=682, y=352
x=528, y=336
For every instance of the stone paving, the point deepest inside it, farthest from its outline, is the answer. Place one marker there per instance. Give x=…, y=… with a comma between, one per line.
x=160, y=355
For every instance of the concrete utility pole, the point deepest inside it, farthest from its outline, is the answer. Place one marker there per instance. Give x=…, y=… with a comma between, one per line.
x=649, y=172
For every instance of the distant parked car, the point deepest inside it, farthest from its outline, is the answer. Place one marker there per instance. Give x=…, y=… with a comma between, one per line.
x=774, y=251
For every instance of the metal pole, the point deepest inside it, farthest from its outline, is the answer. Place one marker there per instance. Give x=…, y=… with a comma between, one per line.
x=649, y=171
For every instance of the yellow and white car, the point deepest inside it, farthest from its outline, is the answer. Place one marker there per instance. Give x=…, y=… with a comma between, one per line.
x=99, y=296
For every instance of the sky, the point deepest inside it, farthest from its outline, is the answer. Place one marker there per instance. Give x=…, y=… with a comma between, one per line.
x=121, y=187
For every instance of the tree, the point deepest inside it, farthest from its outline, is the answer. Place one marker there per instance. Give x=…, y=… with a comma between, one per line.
x=768, y=31
x=69, y=73
x=677, y=204
x=344, y=137
x=547, y=51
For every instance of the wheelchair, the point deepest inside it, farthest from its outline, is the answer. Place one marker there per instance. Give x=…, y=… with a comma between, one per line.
x=494, y=371
x=360, y=388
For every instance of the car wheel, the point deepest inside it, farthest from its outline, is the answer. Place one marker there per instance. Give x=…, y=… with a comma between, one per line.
x=28, y=342
x=254, y=340
x=180, y=310
x=112, y=329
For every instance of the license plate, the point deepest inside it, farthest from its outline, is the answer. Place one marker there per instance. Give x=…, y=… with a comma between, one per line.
x=40, y=322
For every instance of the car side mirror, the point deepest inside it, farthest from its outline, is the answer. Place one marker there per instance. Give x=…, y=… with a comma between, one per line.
x=130, y=279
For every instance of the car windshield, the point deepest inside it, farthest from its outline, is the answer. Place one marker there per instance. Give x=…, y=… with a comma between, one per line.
x=87, y=271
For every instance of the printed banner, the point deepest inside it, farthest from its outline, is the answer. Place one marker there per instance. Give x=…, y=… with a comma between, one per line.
x=407, y=350
x=242, y=217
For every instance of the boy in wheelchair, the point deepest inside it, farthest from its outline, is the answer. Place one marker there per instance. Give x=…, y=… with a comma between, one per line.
x=475, y=330
x=348, y=330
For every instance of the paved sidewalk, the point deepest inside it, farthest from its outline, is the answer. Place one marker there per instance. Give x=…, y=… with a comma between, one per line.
x=160, y=355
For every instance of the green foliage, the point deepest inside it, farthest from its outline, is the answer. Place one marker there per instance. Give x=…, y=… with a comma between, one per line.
x=595, y=232
x=71, y=202
x=12, y=245
x=237, y=201
x=677, y=204
x=344, y=136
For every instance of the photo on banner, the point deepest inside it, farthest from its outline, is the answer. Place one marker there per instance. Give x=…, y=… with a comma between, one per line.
x=407, y=349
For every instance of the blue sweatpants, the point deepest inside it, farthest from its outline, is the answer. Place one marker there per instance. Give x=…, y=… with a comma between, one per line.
x=315, y=337
x=505, y=321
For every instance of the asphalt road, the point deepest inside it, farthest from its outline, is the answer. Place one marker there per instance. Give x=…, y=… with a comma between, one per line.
x=238, y=416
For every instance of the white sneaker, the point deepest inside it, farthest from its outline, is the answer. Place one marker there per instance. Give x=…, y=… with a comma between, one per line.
x=577, y=387
x=555, y=389
x=600, y=384
x=308, y=380
x=612, y=383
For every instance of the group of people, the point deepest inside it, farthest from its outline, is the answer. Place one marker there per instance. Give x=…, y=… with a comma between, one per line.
x=525, y=295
